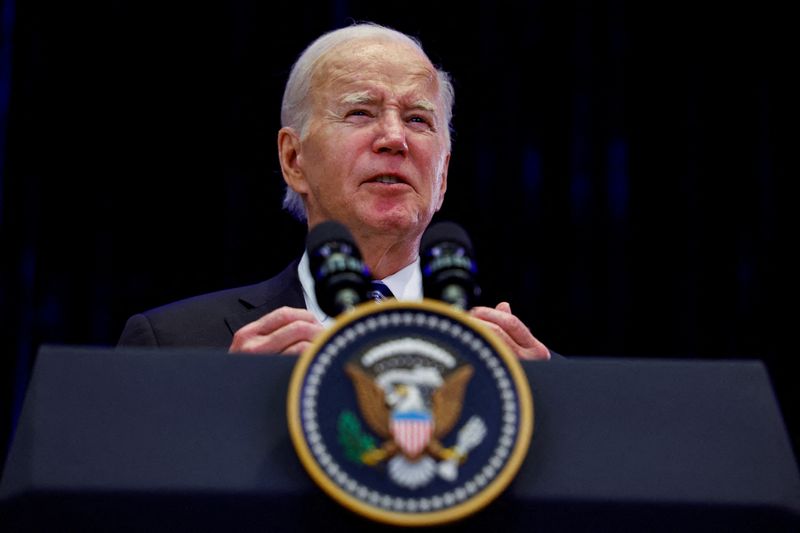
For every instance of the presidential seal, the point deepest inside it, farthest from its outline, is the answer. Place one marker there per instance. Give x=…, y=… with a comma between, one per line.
x=410, y=413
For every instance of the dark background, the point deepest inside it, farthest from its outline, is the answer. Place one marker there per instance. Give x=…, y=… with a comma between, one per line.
x=622, y=169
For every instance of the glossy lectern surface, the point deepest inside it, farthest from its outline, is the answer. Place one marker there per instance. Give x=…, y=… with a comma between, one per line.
x=180, y=440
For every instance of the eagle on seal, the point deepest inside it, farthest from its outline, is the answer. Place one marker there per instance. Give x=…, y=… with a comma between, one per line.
x=411, y=410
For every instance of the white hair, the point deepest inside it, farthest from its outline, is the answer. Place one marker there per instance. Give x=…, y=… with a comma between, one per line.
x=296, y=108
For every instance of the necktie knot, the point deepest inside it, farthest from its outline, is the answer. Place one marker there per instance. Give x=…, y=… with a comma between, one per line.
x=380, y=291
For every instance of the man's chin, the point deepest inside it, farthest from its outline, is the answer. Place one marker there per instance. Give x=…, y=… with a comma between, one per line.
x=395, y=222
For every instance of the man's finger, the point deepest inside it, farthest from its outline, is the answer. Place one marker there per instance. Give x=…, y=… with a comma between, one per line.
x=279, y=331
x=505, y=307
x=278, y=318
x=512, y=331
x=507, y=321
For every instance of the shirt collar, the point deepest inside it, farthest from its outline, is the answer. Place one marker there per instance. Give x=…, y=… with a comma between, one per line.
x=405, y=284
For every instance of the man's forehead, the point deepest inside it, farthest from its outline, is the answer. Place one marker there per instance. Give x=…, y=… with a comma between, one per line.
x=362, y=67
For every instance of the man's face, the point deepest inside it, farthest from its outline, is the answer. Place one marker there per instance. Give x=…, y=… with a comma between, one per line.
x=374, y=155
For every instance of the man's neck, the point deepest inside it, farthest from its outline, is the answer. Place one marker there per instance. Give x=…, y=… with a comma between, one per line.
x=385, y=252
x=384, y=256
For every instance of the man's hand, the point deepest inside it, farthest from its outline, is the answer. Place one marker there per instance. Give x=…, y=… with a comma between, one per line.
x=286, y=330
x=512, y=331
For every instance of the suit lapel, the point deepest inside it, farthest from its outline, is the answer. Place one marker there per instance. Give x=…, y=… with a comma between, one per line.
x=258, y=300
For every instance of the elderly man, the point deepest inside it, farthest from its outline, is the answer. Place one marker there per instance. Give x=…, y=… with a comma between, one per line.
x=365, y=141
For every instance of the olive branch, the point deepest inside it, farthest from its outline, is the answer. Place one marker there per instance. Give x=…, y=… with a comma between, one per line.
x=354, y=441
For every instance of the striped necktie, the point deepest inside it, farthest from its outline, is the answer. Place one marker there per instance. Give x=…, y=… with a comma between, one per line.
x=380, y=291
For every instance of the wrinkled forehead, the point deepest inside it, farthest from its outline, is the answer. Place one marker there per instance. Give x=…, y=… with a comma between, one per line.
x=357, y=65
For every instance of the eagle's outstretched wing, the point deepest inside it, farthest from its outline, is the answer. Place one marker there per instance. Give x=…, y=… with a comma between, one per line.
x=448, y=399
x=371, y=400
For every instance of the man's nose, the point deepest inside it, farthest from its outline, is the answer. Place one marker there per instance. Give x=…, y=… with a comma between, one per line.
x=391, y=135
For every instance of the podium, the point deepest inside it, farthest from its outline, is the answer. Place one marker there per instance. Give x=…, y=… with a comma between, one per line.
x=197, y=440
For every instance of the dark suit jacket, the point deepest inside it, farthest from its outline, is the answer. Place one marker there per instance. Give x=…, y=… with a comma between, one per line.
x=211, y=319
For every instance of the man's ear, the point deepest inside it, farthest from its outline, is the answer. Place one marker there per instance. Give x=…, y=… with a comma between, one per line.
x=443, y=184
x=288, y=152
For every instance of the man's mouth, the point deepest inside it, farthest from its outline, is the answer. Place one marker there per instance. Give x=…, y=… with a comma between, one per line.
x=389, y=180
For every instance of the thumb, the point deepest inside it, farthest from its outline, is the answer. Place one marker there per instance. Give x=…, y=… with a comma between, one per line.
x=504, y=307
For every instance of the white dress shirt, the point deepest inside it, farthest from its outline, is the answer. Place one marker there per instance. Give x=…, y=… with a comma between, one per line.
x=405, y=284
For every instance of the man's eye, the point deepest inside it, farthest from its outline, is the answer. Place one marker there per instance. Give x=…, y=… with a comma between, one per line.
x=417, y=119
x=358, y=113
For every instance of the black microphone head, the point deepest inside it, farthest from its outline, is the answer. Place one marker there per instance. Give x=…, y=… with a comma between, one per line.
x=341, y=280
x=445, y=231
x=329, y=231
x=449, y=272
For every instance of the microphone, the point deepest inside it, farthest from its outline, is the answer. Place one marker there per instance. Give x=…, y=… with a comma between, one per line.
x=341, y=279
x=448, y=271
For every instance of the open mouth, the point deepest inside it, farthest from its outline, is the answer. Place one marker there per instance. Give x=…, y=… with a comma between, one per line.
x=387, y=180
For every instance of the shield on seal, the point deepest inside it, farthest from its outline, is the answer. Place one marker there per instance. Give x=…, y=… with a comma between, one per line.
x=412, y=431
